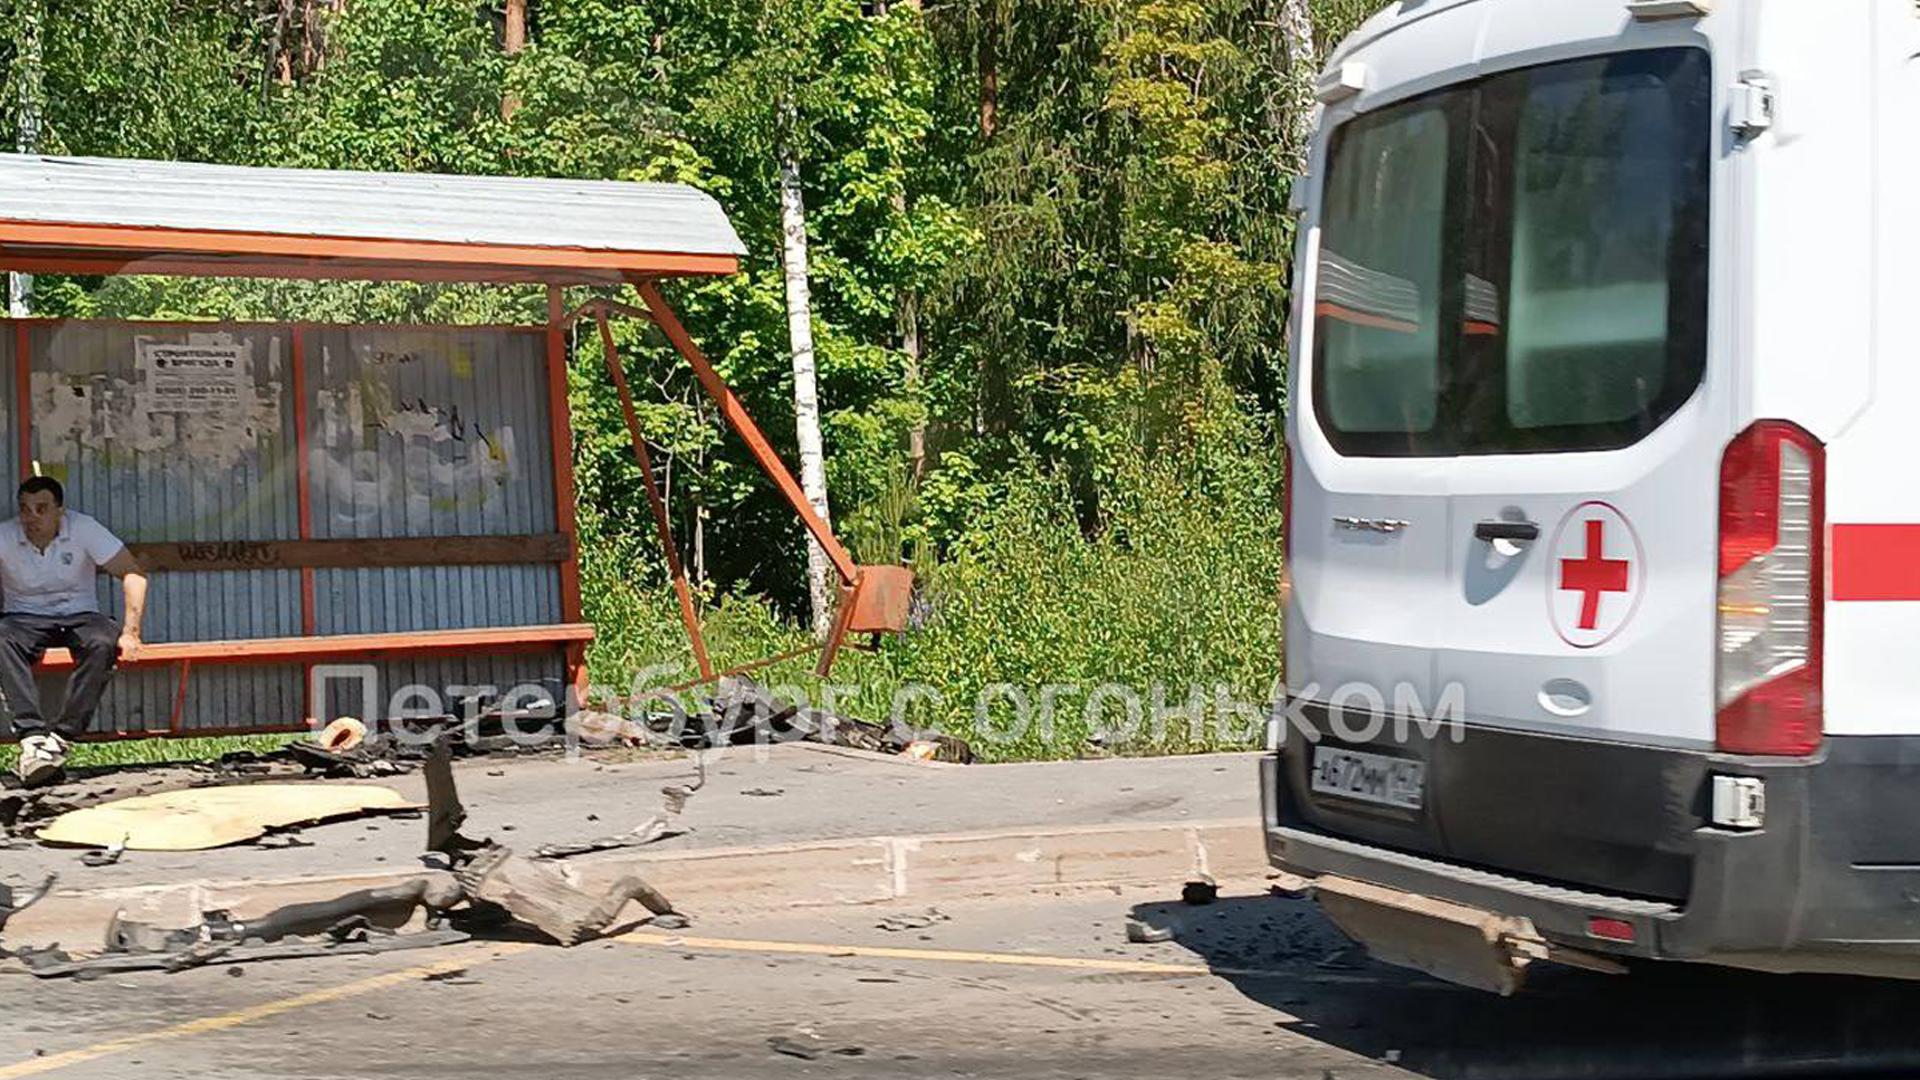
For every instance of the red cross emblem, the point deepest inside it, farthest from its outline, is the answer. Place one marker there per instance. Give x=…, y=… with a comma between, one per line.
x=1593, y=574
x=1596, y=554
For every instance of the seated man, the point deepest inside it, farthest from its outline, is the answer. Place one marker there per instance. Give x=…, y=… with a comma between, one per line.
x=48, y=558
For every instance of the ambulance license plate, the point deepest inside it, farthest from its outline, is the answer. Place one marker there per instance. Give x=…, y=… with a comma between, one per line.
x=1374, y=778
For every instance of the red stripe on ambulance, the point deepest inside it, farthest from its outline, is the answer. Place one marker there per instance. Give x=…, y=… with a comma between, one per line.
x=1876, y=562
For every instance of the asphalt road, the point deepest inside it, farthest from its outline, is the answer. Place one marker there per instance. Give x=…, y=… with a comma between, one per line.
x=1252, y=986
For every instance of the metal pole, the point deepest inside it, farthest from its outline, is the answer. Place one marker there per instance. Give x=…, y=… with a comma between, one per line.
x=659, y=504
x=735, y=414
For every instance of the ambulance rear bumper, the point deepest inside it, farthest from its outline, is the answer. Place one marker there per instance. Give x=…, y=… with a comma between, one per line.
x=1829, y=882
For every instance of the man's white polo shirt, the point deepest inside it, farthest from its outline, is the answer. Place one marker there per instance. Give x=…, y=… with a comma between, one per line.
x=59, y=580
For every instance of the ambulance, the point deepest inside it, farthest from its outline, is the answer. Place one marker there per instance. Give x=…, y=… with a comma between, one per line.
x=1603, y=526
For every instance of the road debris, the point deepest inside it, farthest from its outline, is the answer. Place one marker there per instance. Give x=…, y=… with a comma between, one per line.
x=594, y=728
x=497, y=882
x=280, y=841
x=105, y=856
x=53, y=963
x=454, y=977
x=1289, y=886
x=485, y=887
x=538, y=896
x=370, y=909
x=764, y=793
x=12, y=903
x=1141, y=933
x=781, y=1044
x=355, y=762
x=1200, y=891
x=195, y=819
x=739, y=711
x=896, y=923
x=673, y=801
x=345, y=733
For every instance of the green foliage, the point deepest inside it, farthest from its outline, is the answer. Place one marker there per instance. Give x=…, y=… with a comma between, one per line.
x=1174, y=593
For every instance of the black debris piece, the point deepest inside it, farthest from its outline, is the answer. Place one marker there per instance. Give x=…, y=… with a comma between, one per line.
x=739, y=711
x=1201, y=890
x=895, y=923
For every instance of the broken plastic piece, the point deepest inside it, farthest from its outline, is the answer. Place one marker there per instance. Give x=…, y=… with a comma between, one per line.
x=1141, y=934
x=343, y=734
x=105, y=857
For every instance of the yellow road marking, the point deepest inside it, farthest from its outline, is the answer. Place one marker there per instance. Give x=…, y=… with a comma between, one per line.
x=886, y=952
x=36, y=1066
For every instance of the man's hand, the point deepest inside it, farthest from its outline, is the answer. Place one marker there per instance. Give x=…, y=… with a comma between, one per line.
x=133, y=585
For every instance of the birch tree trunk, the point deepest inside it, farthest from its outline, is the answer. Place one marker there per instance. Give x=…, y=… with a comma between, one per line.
x=910, y=345
x=27, y=137
x=806, y=391
x=1303, y=63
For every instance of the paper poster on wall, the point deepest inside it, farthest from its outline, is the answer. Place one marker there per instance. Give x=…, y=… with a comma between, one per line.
x=201, y=377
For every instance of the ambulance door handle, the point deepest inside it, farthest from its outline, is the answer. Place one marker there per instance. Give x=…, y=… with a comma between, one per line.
x=1507, y=536
x=1521, y=531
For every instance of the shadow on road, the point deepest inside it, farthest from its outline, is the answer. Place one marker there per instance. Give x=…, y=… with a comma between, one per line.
x=1664, y=1020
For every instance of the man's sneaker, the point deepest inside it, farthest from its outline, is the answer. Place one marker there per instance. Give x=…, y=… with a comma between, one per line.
x=42, y=758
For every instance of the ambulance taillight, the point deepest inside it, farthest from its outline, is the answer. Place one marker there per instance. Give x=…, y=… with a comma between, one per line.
x=1772, y=494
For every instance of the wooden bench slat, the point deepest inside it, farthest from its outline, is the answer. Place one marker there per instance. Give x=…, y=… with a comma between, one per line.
x=347, y=646
x=178, y=556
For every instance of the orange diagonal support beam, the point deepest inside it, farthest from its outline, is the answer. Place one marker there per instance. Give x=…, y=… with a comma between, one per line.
x=737, y=417
x=660, y=519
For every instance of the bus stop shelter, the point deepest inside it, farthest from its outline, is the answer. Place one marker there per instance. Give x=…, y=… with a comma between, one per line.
x=312, y=498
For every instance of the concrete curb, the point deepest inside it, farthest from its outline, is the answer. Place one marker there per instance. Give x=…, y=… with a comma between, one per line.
x=874, y=869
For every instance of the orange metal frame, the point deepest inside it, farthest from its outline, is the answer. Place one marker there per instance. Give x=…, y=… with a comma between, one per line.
x=94, y=245
x=661, y=522
x=560, y=440
x=871, y=598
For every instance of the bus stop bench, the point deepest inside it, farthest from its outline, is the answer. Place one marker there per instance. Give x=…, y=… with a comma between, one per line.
x=307, y=556
x=347, y=647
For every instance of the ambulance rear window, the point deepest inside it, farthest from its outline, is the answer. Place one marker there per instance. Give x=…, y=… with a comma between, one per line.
x=1517, y=264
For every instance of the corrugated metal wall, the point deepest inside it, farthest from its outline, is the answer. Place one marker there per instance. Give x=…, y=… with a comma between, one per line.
x=438, y=431
x=432, y=432
x=411, y=432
